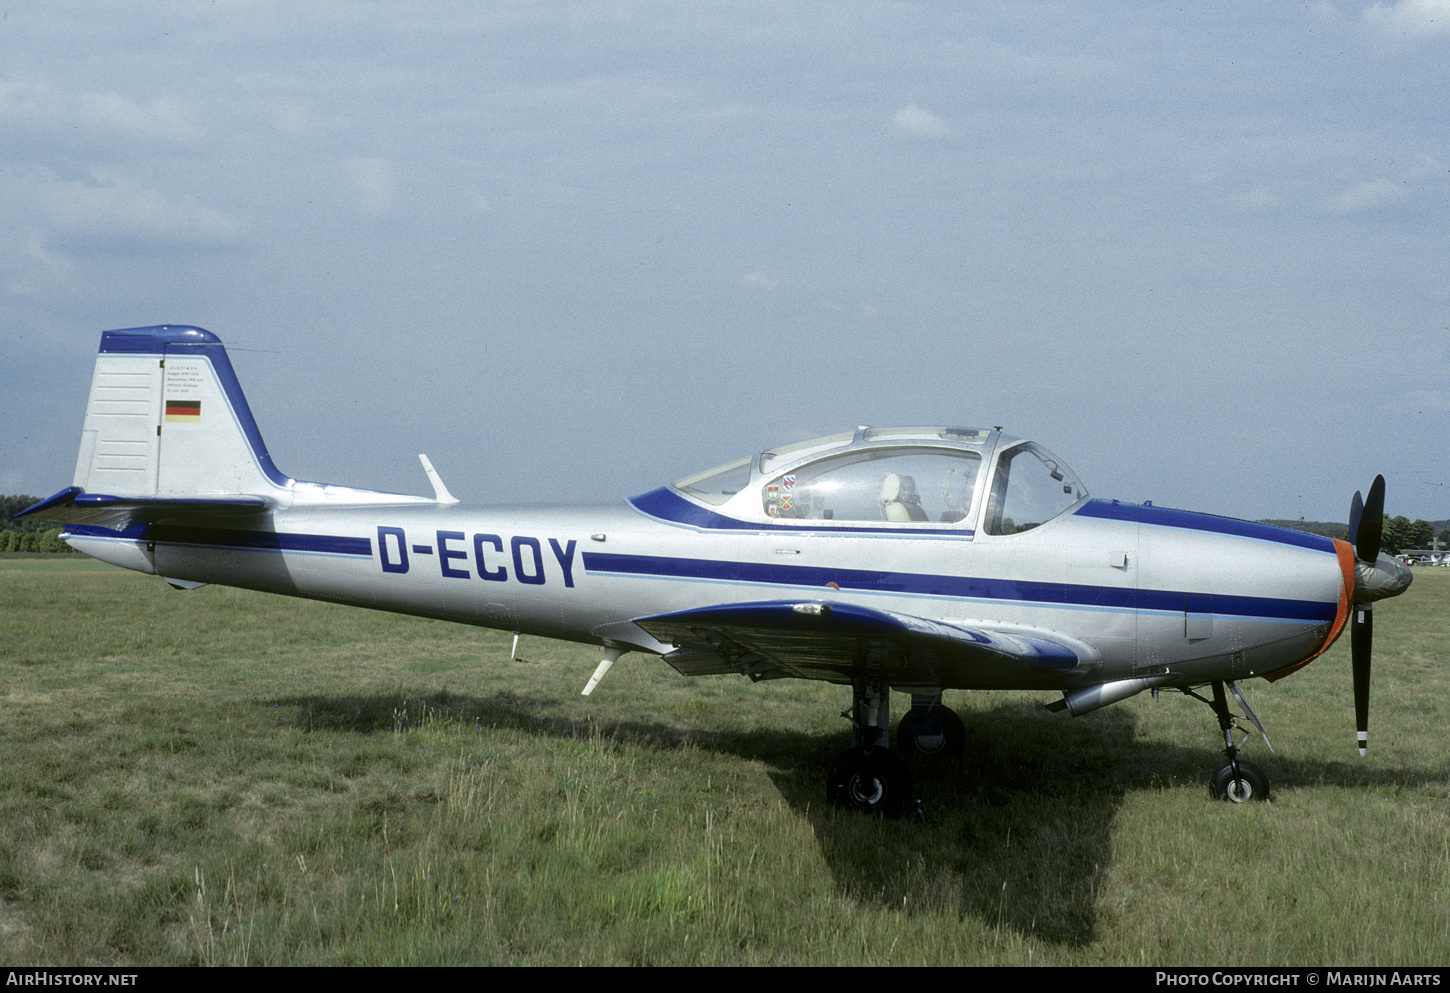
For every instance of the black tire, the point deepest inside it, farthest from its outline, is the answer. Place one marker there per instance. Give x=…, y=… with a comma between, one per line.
x=874, y=780
x=914, y=739
x=1249, y=785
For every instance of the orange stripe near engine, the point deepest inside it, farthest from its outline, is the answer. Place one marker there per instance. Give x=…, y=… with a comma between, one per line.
x=1345, y=552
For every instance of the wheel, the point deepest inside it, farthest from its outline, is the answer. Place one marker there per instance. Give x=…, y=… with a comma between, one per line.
x=874, y=780
x=1250, y=784
x=916, y=737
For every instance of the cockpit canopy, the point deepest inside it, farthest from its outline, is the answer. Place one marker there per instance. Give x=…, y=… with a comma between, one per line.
x=971, y=478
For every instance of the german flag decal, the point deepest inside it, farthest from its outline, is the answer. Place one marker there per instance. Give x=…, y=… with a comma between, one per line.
x=183, y=410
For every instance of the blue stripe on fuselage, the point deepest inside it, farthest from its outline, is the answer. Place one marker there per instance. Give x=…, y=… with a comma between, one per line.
x=1186, y=520
x=957, y=587
x=668, y=507
x=229, y=538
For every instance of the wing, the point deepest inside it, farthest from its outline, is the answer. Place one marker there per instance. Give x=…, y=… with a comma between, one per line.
x=837, y=641
x=115, y=513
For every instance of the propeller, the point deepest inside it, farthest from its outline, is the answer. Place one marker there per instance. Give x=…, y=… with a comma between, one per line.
x=1375, y=578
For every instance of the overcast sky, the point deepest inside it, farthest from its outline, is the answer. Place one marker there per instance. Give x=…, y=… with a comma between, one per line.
x=1201, y=251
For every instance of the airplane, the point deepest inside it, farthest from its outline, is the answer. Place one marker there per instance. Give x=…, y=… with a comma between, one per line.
x=914, y=559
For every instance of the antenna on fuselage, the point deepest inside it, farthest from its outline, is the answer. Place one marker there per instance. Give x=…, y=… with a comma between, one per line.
x=440, y=492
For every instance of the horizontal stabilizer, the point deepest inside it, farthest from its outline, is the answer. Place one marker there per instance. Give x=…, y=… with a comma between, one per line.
x=73, y=506
x=776, y=638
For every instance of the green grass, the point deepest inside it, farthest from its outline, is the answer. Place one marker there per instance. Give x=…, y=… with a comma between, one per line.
x=223, y=777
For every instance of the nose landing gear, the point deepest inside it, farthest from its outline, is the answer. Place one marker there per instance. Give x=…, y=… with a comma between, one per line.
x=1236, y=781
x=1240, y=782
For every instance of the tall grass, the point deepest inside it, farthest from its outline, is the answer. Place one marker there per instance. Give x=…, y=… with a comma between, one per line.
x=222, y=777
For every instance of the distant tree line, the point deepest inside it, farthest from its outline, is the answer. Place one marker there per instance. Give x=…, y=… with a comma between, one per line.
x=1328, y=529
x=27, y=536
x=1400, y=533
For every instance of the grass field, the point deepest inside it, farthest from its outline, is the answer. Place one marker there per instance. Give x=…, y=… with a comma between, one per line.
x=223, y=777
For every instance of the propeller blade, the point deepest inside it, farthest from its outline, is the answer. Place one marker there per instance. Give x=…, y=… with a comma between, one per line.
x=1361, y=637
x=1366, y=528
x=1372, y=523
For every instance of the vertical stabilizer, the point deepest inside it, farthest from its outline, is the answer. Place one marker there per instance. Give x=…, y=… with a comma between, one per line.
x=166, y=417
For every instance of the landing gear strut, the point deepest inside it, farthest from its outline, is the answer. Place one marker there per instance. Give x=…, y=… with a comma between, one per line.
x=1236, y=781
x=869, y=776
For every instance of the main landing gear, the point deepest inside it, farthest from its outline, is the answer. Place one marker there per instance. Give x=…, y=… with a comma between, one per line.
x=1236, y=781
x=870, y=776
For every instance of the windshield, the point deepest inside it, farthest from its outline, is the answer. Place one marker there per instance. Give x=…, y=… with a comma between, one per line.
x=1031, y=487
x=717, y=485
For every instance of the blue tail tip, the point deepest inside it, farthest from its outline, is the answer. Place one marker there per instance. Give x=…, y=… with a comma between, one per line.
x=155, y=339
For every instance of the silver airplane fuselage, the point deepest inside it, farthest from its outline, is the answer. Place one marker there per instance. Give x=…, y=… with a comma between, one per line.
x=914, y=559
x=1136, y=590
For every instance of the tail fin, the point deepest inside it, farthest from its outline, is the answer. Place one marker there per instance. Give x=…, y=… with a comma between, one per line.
x=166, y=417
x=168, y=436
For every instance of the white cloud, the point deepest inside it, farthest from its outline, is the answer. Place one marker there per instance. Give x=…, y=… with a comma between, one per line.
x=1256, y=199
x=163, y=117
x=373, y=180
x=1368, y=195
x=1410, y=17
x=112, y=206
x=47, y=109
x=294, y=118
x=1425, y=167
x=921, y=123
x=44, y=268
x=1419, y=401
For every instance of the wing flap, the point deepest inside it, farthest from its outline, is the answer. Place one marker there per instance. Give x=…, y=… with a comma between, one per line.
x=835, y=641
